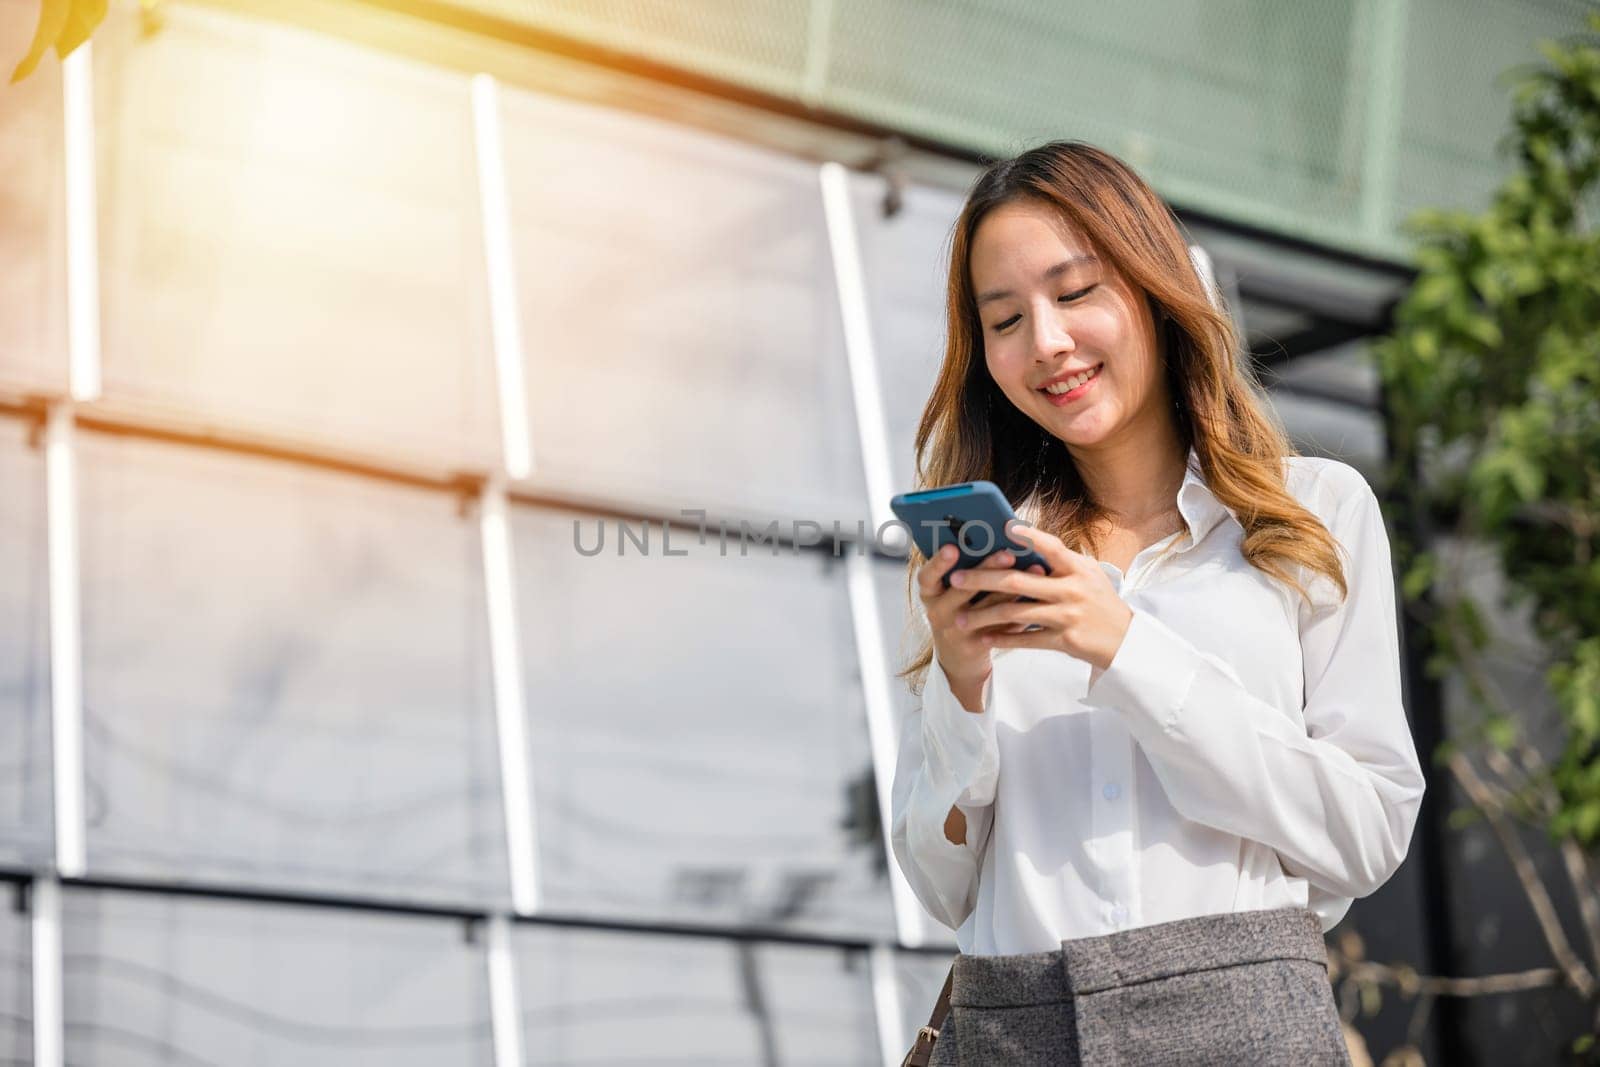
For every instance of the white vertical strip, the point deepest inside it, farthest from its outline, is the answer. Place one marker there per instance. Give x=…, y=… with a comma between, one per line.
x=83, y=250
x=505, y=656
x=886, y=1004
x=859, y=350
x=504, y=317
x=505, y=1015
x=49, y=1022
x=819, y=31
x=875, y=466
x=880, y=731
x=66, y=677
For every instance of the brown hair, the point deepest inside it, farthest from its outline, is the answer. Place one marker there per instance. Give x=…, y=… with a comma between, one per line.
x=971, y=430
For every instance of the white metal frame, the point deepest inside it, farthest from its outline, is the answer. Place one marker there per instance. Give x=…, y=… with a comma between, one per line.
x=864, y=608
x=504, y=317
x=49, y=1021
x=66, y=664
x=83, y=249
x=505, y=654
x=505, y=1015
x=886, y=1003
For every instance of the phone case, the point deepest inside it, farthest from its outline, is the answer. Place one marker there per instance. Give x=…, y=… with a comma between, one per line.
x=970, y=515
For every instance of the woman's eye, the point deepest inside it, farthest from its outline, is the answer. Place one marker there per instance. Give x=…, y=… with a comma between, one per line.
x=1002, y=327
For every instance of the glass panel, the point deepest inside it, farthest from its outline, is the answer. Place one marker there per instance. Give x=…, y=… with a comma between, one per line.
x=609, y=997
x=16, y=982
x=25, y=775
x=677, y=293
x=179, y=980
x=698, y=736
x=33, y=309
x=906, y=260
x=286, y=677
x=290, y=237
x=1249, y=109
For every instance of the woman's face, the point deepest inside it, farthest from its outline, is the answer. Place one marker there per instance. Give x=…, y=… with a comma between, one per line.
x=1049, y=310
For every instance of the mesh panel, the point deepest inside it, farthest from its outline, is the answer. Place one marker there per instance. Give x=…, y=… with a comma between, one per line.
x=1329, y=121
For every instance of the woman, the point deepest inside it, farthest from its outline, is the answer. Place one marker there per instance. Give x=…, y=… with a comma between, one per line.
x=1141, y=798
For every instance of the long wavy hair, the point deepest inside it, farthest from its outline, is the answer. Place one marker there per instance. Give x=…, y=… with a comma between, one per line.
x=971, y=430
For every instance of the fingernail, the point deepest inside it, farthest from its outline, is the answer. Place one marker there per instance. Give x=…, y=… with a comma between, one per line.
x=958, y=579
x=961, y=620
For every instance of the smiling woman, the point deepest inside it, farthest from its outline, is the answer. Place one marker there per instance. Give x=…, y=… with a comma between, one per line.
x=1174, y=760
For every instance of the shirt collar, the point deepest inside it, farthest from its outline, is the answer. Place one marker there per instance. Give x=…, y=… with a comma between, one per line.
x=1200, y=508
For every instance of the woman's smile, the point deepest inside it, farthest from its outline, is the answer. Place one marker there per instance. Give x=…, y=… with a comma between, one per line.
x=1068, y=396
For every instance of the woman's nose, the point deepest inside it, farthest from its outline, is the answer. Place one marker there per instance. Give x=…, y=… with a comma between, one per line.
x=1051, y=336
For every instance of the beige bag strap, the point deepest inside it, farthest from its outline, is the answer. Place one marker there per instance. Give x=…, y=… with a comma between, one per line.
x=922, y=1050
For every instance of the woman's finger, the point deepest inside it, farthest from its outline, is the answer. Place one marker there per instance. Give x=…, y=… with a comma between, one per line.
x=1019, y=613
x=1017, y=583
x=1001, y=561
x=930, y=575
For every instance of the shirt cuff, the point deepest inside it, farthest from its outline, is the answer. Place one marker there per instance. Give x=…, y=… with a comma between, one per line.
x=960, y=745
x=1149, y=675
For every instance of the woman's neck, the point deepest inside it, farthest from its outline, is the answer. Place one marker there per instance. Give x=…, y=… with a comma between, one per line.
x=1136, y=479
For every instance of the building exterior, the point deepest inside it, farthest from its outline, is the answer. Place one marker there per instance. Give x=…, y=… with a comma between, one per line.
x=334, y=338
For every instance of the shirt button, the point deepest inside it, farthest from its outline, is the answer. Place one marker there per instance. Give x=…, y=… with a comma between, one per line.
x=1111, y=791
x=1119, y=914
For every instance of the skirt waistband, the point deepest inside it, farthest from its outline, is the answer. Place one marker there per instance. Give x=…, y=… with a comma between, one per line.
x=1142, y=954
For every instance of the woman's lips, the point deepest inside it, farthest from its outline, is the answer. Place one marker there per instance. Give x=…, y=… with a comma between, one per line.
x=1062, y=399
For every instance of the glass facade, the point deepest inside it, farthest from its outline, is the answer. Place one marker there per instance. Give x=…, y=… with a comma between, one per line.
x=313, y=688
x=285, y=678
x=167, y=979
x=33, y=245
x=25, y=798
x=290, y=240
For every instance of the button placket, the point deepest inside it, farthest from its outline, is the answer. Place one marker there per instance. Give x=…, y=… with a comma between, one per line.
x=1112, y=760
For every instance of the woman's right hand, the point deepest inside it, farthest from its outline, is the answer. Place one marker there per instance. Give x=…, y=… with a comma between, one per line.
x=960, y=651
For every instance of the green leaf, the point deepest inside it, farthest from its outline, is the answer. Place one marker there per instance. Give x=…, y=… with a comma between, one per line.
x=1501, y=731
x=1527, y=478
x=1419, y=576
x=1482, y=329
x=1434, y=291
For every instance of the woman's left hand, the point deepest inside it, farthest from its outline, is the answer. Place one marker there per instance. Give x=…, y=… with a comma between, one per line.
x=1077, y=608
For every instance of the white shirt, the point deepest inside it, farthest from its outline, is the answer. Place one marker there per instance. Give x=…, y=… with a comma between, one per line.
x=1242, y=750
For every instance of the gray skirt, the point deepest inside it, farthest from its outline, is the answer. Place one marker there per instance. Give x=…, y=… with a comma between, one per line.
x=1243, y=988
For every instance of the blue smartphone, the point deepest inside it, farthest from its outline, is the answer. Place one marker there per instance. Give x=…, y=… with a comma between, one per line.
x=972, y=516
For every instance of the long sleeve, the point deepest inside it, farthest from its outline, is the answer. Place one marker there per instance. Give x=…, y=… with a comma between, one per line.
x=947, y=756
x=1337, y=799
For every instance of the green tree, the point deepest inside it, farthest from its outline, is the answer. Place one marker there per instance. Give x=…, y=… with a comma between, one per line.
x=1492, y=377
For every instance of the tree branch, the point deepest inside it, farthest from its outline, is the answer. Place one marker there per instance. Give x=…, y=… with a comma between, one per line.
x=1577, y=975
x=1412, y=984
x=1577, y=865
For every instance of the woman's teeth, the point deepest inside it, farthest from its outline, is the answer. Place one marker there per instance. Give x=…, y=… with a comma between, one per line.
x=1071, y=383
